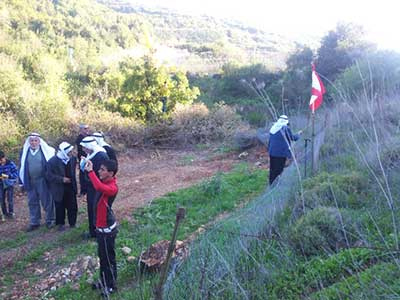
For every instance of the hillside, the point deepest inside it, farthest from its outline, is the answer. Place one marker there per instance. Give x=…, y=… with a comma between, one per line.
x=204, y=43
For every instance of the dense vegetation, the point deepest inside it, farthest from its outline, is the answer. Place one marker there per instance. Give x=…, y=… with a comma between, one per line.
x=332, y=235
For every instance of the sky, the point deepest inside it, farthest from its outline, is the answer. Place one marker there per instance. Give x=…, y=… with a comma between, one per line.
x=299, y=18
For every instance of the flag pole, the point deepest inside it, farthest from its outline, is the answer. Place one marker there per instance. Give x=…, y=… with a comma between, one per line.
x=312, y=139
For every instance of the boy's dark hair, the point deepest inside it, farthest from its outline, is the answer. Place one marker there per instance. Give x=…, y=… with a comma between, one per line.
x=111, y=165
x=2, y=154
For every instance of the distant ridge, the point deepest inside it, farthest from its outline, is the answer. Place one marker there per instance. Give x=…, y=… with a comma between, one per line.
x=204, y=43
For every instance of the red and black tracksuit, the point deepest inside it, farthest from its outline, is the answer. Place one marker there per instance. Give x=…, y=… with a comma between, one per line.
x=106, y=228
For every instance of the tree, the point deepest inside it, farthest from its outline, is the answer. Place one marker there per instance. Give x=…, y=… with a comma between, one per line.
x=146, y=85
x=340, y=48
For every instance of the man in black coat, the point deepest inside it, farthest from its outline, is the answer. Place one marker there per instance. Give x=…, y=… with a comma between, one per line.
x=62, y=184
x=97, y=155
x=99, y=137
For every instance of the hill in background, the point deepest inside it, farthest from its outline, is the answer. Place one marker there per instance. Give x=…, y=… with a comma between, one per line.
x=204, y=43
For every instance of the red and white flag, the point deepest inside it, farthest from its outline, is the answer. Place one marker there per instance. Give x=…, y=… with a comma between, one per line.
x=317, y=90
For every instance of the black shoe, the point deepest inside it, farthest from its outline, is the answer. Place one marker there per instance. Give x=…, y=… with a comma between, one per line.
x=61, y=228
x=32, y=228
x=10, y=216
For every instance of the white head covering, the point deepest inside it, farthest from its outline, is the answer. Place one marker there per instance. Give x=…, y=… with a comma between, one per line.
x=99, y=137
x=282, y=121
x=63, y=151
x=47, y=150
x=90, y=143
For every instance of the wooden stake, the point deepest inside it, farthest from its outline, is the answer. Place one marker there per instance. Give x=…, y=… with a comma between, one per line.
x=180, y=215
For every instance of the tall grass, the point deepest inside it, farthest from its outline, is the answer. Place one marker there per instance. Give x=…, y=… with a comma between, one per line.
x=306, y=237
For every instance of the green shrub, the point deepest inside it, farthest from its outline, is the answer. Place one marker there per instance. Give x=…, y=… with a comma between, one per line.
x=10, y=135
x=381, y=281
x=323, y=229
x=332, y=189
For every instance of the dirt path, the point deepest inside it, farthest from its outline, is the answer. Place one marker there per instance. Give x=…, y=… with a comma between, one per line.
x=143, y=176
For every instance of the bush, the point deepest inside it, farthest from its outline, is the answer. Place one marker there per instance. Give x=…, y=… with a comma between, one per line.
x=122, y=131
x=321, y=230
x=381, y=281
x=10, y=135
x=197, y=124
x=349, y=190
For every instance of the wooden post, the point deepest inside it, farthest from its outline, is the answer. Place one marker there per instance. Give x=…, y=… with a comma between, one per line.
x=180, y=215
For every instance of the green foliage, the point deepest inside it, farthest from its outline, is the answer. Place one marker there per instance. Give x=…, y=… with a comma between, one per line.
x=379, y=70
x=340, y=48
x=146, y=85
x=373, y=283
x=295, y=84
x=204, y=43
x=322, y=229
x=346, y=190
x=306, y=277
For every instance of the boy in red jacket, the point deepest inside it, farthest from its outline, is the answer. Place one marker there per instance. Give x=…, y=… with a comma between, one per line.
x=106, y=226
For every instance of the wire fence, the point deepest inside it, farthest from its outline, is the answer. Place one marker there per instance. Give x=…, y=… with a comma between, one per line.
x=240, y=256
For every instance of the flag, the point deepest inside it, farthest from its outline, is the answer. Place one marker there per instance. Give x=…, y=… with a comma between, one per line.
x=317, y=90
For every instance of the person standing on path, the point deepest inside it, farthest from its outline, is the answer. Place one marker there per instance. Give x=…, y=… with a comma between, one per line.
x=105, y=185
x=62, y=184
x=32, y=173
x=280, y=139
x=8, y=178
x=97, y=155
x=99, y=137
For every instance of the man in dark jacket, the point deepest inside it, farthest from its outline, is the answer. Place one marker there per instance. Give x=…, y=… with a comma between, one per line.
x=280, y=138
x=62, y=184
x=83, y=132
x=97, y=155
x=8, y=177
x=99, y=137
x=106, y=227
x=32, y=173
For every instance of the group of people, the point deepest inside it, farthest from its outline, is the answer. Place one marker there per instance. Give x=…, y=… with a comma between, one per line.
x=49, y=178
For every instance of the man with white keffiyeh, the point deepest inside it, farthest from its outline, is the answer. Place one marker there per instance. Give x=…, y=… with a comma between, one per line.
x=97, y=155
x=61, y=170
x=35, y=154
x=280, y=139
x=99, y=137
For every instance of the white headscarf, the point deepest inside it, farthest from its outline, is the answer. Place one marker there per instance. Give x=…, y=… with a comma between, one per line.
x=90, y=143
x=47, y=150
x=282, y=121
x=99, y=137
x=63, y=151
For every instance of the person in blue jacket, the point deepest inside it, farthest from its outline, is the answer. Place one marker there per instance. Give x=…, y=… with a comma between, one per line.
x=8, y=177
x=280, y=138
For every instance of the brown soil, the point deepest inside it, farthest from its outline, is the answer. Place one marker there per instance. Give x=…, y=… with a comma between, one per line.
x=143, y=176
